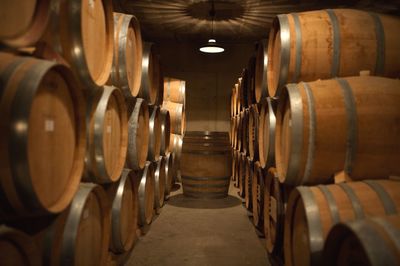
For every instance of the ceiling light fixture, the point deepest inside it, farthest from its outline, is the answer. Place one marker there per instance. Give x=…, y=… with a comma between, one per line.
x=211, y=46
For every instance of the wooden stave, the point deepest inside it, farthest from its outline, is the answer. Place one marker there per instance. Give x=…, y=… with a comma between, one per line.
x=116, y=192
x=118, y=75
x=241, y=177
x=169, y=169
x=350, y=109
x=377, y=239
x=136, y=158
x=95, y=165
x=64, y=35
x=165, y=131
x=257, y=191
x=253, y=131
x=22, y=177
x=317, y=235
x=261, y=90
x=159, y=183
x=150, y=82
x=35, y=30
x=22, y=242
x=154, y=134
x=289, y=68
x=146, y=202
x=267, y=115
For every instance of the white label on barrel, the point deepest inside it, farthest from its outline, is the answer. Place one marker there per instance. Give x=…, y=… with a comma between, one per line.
x=109, y=129
x=49, y=125
x=85, y=214
x=272, y=208
x=91, y=3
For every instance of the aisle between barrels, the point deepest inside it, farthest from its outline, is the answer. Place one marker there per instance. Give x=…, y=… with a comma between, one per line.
x=200, y=232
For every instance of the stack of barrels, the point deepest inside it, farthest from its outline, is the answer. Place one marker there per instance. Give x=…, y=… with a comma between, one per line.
x=315, y=128
x=85, y=138
x=175, y=103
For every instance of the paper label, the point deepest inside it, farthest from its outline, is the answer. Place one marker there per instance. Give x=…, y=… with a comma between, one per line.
x=49, y=125
x=108, y=129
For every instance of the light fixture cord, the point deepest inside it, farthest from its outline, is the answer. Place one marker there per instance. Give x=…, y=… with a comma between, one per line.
x=212, y=15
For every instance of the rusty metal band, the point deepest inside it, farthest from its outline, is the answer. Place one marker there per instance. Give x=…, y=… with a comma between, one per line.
x=336, y=42
x=142, y=194
x=311, y=132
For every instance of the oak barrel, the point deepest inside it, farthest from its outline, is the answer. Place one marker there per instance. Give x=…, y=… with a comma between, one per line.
x=260, y=75
x=253, y=125
x=126, y=70
x=82, y=31
x=169, y=172
x=154, y=134
x=146, y=191
x=177, y=117
x=165, y=121
x=313, y=211
x=138, y=133
x=107, y=136
x=18, y=248
x=151, y=84
x=175, y=143
x=42, y=135
x=248, y=179
x=81, y=234
x=330, y=125
x=266, y=133
x=22, y=23
x=206, y=164
x=159, y=183
x=374, y=241
x=242, y=174
x=124, y=212
x=257, y=192
x=175, y=90
x=244, y=133
x=331, y=43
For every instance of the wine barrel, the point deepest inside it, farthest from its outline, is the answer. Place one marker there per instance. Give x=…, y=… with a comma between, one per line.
x=165, y=121
x=233, y=102
x=237, y=132
x=244, y=141
x=266, y=133
x=169, y=172
x=354, y=122
x=126, y=69
x=253, y=124
x=124, y=212
x=176, y=142
x=242, y=175
x=18, y=248
x=248, y=179
x=138, y=133
x=257, y=192
x=250, y=87
x=174, y=90
x=159, y=183
x=275, y=199
x=374, y=241
x=23, y=22
x=177, y=115
x=151, y=84
x=313, y=211
x=331, y=43
x=237, y=98
x=232, y=130
x=154, y=134
x=206, y=164
x=81, y=234
x=107, y=136
x=83, y=32
x=260, y=75
x=236, y=158
x=146, y=191
x=42, y=135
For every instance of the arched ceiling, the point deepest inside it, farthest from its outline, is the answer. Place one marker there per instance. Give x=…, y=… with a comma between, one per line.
x=235, y=21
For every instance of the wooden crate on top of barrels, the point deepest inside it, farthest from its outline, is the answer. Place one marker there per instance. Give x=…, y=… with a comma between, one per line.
x=331, y=43
x=206, y=164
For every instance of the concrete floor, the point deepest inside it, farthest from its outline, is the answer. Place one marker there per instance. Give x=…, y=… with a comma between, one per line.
x=200, y=232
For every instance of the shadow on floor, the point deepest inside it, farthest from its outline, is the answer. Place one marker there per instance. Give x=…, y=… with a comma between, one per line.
x=185, y=202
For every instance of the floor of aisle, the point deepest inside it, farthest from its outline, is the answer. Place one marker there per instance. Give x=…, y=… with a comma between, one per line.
x=201, y=232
